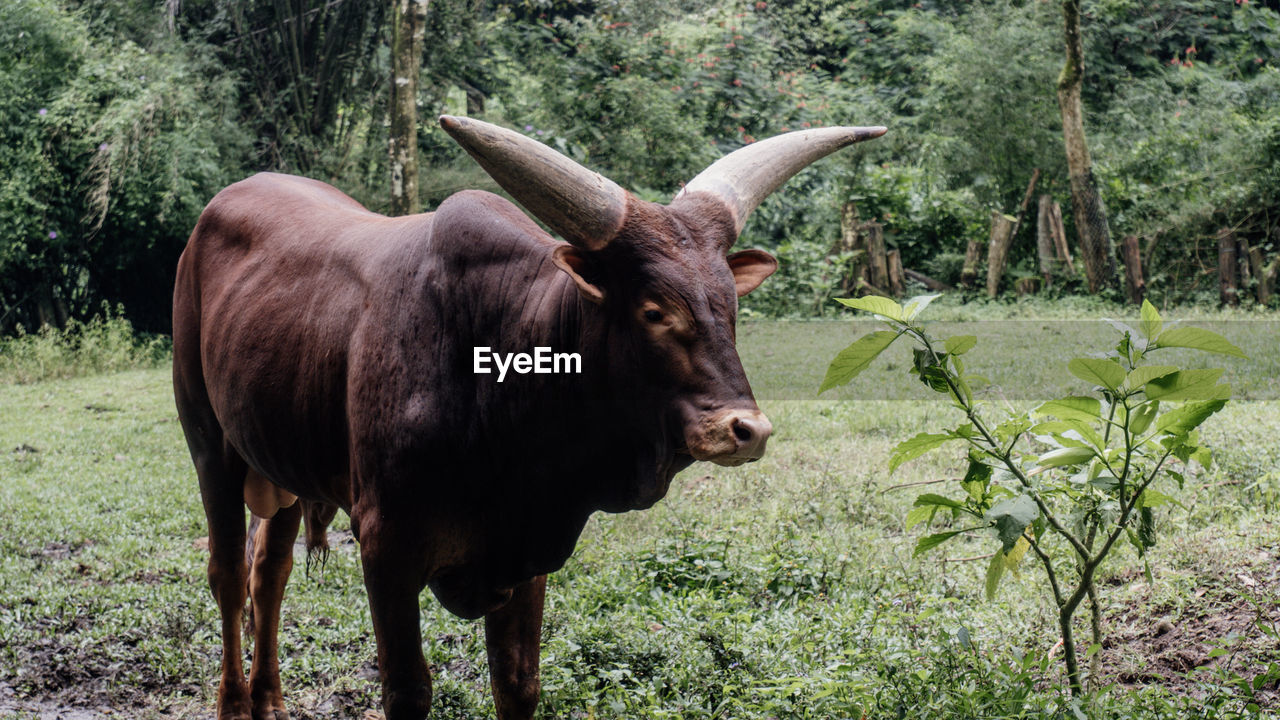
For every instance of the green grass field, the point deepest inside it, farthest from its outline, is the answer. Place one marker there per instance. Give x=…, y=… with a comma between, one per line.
x=782, y=589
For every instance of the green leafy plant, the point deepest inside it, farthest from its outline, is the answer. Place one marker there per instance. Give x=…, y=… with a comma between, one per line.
x=1069, y=478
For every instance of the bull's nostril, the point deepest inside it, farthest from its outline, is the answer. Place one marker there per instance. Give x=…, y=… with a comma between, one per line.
x=742, y=432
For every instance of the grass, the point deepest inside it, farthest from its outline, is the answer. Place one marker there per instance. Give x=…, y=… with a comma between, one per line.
x=782, y=589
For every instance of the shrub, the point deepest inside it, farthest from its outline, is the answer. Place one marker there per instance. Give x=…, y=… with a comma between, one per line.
x=105, y=343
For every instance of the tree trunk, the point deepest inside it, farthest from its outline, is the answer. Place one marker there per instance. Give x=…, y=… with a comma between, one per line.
x=972, y=256
x=1096, y=246
x=408, y=25
x=873, y=232
x=897, y=278
x=998, y=250
x=1227, y=267
x=1135, y=287
x=1044, y=241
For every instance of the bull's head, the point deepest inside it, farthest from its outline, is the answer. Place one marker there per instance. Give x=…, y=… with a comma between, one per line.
x=662, y=273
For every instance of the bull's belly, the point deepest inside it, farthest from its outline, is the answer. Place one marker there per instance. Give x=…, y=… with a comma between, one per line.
x=290, y=457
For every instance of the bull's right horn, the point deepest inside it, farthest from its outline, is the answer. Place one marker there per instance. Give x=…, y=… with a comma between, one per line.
x=586, y=208
x=745, y=177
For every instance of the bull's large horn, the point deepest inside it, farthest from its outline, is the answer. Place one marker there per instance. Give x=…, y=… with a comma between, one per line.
x=745, y=177
x=586, y=208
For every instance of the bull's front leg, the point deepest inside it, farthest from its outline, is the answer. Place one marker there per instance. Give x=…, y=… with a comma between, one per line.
x=513, y=635
x=393, y=602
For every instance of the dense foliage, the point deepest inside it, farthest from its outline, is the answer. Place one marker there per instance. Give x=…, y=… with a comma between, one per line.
x=121, y=119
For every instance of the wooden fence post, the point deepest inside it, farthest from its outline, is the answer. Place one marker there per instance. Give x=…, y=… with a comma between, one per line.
x=1227, y=269
x=972, y=256
x=1266, y=275
x=998, y=250
x=851, y=242
x=1044, y=241
x=897, y=279
x=1060, y=237
x=873, y=232
x=1134, y=284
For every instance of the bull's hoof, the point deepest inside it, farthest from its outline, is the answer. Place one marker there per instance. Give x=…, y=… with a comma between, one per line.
x=270, y=708
x=407, y=704
x=233, y=707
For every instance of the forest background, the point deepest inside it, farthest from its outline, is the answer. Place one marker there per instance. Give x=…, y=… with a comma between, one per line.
x=119, y=120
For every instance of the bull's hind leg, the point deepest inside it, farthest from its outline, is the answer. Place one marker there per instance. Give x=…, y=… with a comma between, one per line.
x=272, y=563
x=513, y=637
x=221, y=476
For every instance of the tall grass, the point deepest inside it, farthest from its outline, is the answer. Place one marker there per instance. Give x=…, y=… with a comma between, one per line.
x=106, y=343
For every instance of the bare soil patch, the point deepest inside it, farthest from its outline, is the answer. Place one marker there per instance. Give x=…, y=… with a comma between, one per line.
x=1213, y=635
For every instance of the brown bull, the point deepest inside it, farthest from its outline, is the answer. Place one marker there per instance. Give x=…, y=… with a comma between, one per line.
x=325, y=352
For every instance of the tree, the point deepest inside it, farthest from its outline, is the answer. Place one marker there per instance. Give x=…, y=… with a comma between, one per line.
x=408, y=24
x=1096, y=246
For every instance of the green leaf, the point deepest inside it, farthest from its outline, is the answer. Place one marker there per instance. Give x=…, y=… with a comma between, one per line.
x=875, y=304
x=1187, y=418
x=919, y=514
x=1151, y=324
x=914, y=447
x=929, y=542
x=916, y=305
x=856, y=358
x=1153, y=498
x=960, y=344
x=1198, y=339
x=976, y=479
x=936, y=378
x=1011, y=517
x=1106, y=373
x=1143, y=375
x=995, y=570
x=931, y=500
x=1066, y=456
x=1105, y=483
x=1185, y=385
x=1122, y=327
x=1059, y=427
x=1093, y=650
x=1204, y=456
x=1140, y=417
x=1084, y=409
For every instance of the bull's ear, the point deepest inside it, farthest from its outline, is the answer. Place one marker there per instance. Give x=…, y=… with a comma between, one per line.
x=750, y=268
x=574, y=263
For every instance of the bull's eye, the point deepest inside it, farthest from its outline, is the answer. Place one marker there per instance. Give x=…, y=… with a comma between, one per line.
x=653, y=316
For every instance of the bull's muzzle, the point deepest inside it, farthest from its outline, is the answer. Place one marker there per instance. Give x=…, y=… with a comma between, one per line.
x=731, y=437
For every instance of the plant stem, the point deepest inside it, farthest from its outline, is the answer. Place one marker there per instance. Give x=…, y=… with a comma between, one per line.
x=1095, y=620
x=995, y=449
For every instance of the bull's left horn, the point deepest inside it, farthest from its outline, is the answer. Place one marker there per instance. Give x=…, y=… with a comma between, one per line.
x=745, y=177
x=586, y=208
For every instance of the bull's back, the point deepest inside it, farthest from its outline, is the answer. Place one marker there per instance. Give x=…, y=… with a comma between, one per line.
x=276, y=280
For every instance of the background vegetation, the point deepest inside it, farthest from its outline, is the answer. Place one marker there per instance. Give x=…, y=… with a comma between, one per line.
x=784, y=589
x=120, y=119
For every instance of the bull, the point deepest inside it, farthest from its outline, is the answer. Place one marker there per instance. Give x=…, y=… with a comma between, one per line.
x=325, y=352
